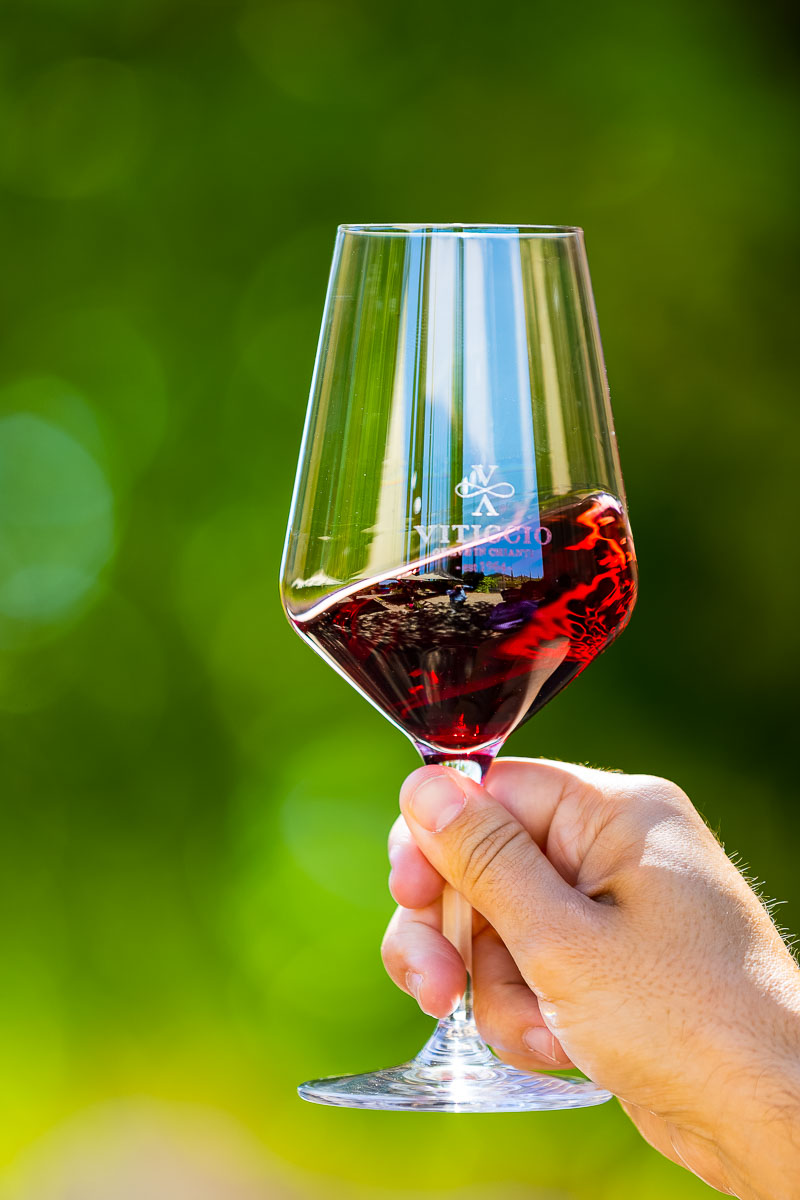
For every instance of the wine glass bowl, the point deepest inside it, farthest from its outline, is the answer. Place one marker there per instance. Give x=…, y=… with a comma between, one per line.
x=458, y=658
x=458, y=546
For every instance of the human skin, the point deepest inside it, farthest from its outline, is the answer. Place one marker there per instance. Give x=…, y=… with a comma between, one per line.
x=611, y=933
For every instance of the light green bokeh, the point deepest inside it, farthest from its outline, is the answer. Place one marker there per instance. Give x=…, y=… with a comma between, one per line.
x=56, y=524
x=194, y=808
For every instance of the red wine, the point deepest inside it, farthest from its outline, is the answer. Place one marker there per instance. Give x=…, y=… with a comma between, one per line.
x=457, y=657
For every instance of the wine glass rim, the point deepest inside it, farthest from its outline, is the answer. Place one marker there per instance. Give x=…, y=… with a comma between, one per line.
x=463, y=230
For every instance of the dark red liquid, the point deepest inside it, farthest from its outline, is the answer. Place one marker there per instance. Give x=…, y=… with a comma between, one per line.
x=460, y=667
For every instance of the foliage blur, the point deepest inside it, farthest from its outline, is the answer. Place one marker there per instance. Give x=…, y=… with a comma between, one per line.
x=193, y=807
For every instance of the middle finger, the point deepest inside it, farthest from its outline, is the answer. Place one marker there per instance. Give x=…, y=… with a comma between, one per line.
x=413, y=882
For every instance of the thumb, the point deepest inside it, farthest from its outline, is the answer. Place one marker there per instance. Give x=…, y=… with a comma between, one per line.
x=485, y=854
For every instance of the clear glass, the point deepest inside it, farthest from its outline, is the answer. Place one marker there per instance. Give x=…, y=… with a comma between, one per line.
x=458, y=546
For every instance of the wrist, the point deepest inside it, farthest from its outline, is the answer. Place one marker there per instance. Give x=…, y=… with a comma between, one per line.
x=756, y=1129
x=761, y=1158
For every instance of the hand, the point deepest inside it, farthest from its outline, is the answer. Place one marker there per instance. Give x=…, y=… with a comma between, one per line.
x=612, y=933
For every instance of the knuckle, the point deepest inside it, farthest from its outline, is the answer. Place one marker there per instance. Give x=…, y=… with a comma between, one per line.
x=392, y=940
x=654, y=789
x=491, y=849
x=394, y=962
x=388, y=947
x=397, y=833
x=651, y=800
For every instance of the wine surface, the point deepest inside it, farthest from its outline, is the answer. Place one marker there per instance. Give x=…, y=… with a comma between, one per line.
x=458, y=658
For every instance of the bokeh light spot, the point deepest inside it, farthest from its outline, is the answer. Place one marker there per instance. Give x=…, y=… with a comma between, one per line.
x=42, y=590
x=135, y=1147
x=56, y=521
x=59, y=402
x=102, y=355
x=333, y=47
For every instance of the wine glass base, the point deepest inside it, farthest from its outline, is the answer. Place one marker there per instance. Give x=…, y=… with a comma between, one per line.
x=498, y=1089
x=471, y=1079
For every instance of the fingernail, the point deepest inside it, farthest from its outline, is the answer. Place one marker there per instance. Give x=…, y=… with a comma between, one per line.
x=414, y=983
x=541, y=1041
x=436, y=802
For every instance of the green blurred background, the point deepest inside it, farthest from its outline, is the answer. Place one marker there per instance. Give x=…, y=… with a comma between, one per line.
x=194, y=808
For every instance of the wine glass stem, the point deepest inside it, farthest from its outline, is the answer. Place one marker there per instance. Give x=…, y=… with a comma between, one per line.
x=457, y=912
x=457, y=928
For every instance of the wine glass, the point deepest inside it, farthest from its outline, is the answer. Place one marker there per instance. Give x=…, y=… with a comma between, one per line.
x=458, y=545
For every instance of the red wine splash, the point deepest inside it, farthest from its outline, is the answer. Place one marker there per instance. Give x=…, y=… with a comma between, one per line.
x=458, y=658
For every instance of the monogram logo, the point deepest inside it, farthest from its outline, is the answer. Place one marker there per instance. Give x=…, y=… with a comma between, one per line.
x=479, y=483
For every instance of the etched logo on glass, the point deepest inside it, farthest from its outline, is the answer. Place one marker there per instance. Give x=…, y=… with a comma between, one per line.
x=478, y=484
